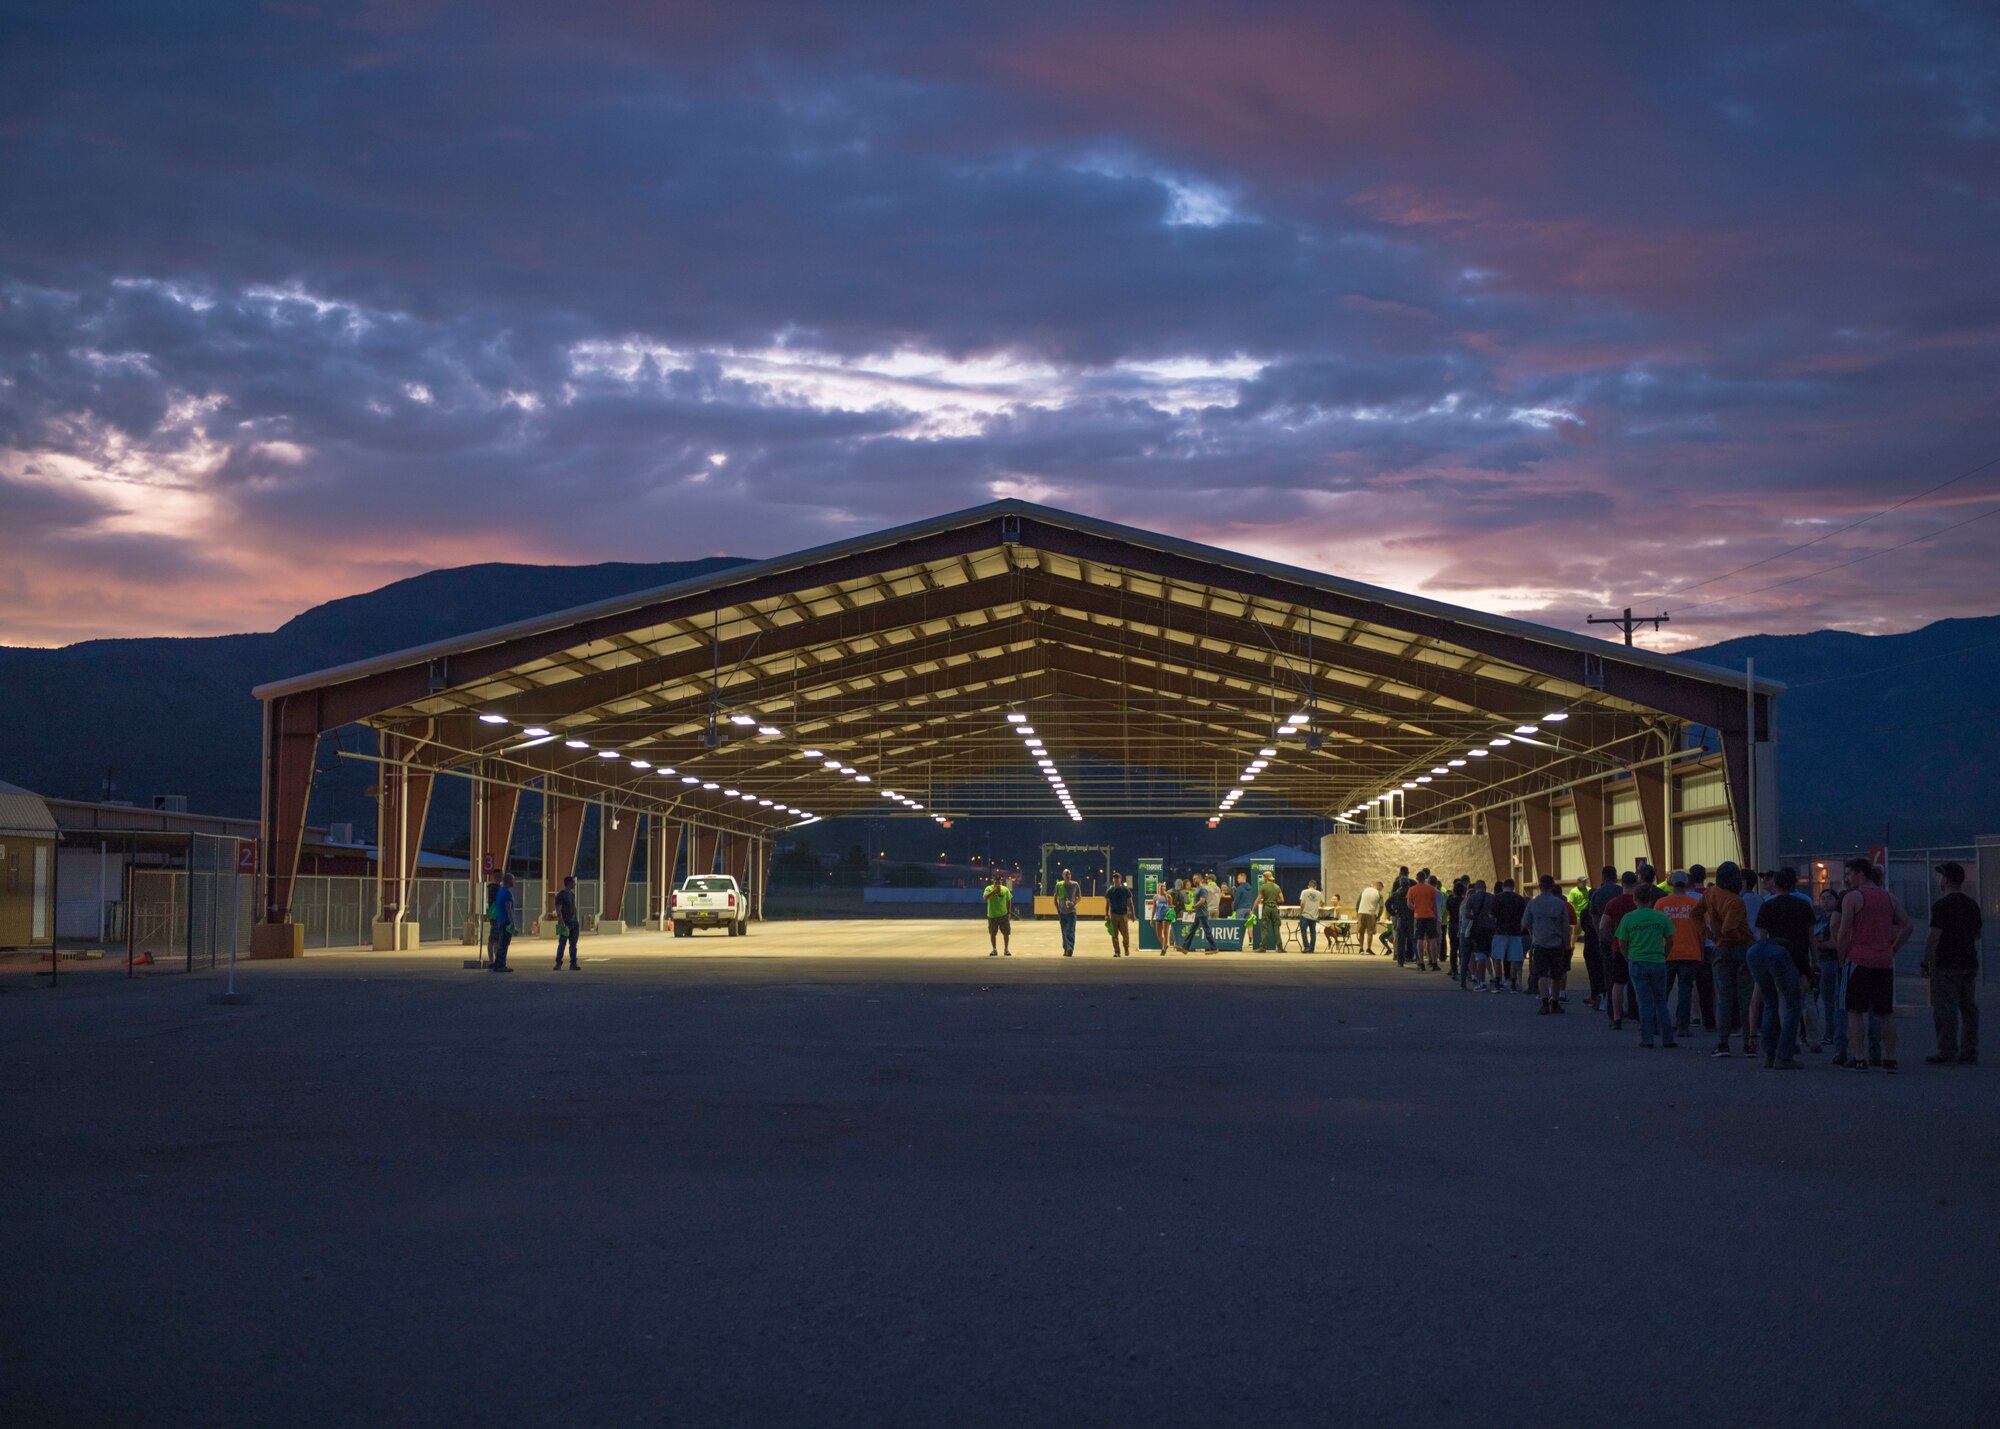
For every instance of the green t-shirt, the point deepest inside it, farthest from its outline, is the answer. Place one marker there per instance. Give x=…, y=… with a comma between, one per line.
x=999, y=899
x=1646, y=934
x=1271, y=896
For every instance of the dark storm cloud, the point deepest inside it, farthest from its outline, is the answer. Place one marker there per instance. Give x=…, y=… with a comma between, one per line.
x=1463, y=296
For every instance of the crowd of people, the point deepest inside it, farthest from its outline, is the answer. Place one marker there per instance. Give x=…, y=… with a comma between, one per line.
x=1195, y=904
x=1771, y=970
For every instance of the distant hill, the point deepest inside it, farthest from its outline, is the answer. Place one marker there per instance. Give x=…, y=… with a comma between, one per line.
x=1878, y=731
x=1883, y=735
x=176, y=717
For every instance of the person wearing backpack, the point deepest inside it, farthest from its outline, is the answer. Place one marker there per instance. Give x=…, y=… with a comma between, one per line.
x=500, y=924
x=568, y=925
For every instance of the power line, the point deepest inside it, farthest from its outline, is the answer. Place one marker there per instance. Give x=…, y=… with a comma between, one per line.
x=1837, y=531
x=1843, y=565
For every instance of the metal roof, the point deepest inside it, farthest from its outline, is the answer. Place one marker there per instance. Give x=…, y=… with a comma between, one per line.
x=1154, y=670
x=24, y=814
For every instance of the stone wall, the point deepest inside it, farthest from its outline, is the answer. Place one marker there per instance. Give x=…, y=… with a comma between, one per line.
x=1346, y=861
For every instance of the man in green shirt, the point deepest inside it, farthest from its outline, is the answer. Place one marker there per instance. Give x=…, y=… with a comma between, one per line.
x=1644, y=935
x=999, y=916
x=1269, y=899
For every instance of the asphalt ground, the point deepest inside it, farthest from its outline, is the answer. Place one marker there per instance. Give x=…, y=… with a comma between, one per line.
x=750, y=1182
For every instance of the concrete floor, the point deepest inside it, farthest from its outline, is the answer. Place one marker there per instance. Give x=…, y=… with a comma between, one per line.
x=770, y=1181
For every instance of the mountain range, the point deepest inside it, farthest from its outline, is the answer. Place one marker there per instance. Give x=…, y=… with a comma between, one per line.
x=1879, y=736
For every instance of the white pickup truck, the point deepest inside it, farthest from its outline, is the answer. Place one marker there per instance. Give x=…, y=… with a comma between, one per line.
x=710, y=900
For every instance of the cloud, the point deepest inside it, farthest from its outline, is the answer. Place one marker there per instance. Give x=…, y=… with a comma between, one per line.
x=1538, y=312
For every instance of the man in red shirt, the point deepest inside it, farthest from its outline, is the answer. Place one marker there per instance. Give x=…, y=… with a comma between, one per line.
x=1615, y=972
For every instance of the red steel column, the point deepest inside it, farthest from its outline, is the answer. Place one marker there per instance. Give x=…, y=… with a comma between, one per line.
x=291, y=745
x=615, y=861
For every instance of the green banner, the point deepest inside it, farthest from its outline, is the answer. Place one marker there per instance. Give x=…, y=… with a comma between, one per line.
x=1151, y=871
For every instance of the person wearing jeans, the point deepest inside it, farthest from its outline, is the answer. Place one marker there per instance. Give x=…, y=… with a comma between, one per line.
x=1641, y=937
x=1309, y=906
x=1777, y=979
x=1951, y=962
x=569, y=924
x=1067, y=892
x=1728, y=927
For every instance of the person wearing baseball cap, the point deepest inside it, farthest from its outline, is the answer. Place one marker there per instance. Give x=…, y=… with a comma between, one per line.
x=1951, y=962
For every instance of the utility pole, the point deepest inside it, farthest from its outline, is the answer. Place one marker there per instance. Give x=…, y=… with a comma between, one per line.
x=1626, y=621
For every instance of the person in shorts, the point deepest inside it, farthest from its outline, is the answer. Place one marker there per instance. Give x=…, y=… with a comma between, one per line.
x=1509, y=908
x=1479, y=933
x=999, y=896
x=1367, y=913
x=1617, y=961
x=1422, y=897
x=1548, y=921
x=1873, y=926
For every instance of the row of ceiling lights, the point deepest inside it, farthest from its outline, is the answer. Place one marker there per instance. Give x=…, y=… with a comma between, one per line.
x=538, y=735
x=1255, y=767
x=1039, y=753
x=1478, y=751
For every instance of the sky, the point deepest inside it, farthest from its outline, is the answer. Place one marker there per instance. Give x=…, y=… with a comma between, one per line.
x=1547, y=309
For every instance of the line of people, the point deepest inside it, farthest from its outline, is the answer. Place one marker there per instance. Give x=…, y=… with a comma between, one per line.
x=1766, y=965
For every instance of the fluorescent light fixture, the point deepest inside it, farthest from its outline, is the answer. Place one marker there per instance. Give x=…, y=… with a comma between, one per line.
x=764, y=803
x=748, y=798
x=689, y=779
x=1456, y=763
x=492, y=719
x=1499, y=743
x=665, y=769
x=809, y=754
x=1409, y=783
x=1034, y=744
x=1260, y=764
x=833, y=764
x=1437, y=769
x=1024, y=729
x=1556, y=717
x=711, y=786
x=1246, y=778
x=1268, y=753
x=1017, y=719
x=575, y=744
x=939, y=817
x=642, y=764
x=847, y=768
x=727, y=793
x=535, y=731
x=1527, y=729
x=1423, y=778
x=607, y=754
x=1300, y=718
x=863, y=779
x=743, y=719
x=1476, y=753
x=769, y=731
